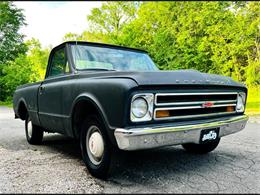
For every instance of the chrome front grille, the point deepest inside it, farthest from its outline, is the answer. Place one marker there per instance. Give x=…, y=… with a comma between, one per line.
x=190, y=105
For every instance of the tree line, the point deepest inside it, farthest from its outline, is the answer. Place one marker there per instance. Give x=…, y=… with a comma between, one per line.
x=216, y=37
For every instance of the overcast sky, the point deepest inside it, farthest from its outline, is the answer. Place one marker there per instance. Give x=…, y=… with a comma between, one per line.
x=49, y=21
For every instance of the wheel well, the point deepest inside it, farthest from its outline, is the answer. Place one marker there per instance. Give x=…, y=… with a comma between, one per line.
x=81, y=110
x=22, y=111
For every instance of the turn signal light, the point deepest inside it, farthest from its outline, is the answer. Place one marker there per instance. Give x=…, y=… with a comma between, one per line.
x=230, y=109
x=162, y=113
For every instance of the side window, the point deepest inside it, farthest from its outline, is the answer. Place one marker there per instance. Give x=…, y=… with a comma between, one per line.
x=59, y=63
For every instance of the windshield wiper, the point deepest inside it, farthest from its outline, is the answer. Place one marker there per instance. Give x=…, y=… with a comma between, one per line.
x=98, y=69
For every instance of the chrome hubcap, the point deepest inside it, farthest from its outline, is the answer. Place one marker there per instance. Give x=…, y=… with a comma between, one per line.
x=95, y=145
x=29, y=129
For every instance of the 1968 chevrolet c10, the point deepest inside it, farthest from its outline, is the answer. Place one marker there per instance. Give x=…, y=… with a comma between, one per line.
x=112, y=97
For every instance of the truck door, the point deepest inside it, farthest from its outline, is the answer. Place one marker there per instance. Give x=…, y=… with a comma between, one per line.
x=50, y=91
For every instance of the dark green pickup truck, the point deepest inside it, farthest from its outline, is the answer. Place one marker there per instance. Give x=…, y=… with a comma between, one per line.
x=111, y=97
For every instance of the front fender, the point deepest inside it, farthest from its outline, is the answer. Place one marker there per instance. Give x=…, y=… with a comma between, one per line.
x=109, y=96
x=94, y=101
x=90, y=98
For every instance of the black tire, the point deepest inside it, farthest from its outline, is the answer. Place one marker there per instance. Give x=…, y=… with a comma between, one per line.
x=102, y=169
x=201, y=148
x=36, y=135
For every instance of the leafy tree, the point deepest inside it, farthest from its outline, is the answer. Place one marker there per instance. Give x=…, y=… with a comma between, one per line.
x=26, y=68
x=11, y=42
x=72, y=37
x=175, y=33
x=252, y=31
x=87, y=36
x=214, y=37
x=38, y=57
x=106, y=22
x=18, y=72
x=111, y=18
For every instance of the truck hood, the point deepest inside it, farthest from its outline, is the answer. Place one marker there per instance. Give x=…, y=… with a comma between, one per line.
x=183, y=77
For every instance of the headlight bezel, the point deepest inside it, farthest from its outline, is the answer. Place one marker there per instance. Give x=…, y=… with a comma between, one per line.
x=149, y=98
x=241, y=97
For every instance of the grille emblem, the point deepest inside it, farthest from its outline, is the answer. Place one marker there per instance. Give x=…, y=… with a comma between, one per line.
x=207, y=104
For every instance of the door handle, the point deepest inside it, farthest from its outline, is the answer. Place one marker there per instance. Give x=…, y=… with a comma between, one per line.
x=41, y=90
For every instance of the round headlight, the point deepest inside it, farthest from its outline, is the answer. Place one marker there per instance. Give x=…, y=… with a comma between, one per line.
x=139, y=107
x=240, y=103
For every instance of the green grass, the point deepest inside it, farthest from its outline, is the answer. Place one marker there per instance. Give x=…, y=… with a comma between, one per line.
x=8, y=104
x=253, y=101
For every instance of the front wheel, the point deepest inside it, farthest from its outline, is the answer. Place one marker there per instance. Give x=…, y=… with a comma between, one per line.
x=95, y=147
x=34, y=134
x=201, y=148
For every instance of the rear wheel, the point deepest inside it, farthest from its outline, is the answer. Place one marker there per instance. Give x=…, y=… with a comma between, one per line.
x=34, y=134
x=95, y=147
x=201, y=148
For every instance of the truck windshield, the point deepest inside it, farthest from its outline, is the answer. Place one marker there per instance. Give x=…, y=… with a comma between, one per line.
x=102, y=58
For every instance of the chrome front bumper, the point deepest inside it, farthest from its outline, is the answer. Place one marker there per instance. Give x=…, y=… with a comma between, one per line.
x=152, y=137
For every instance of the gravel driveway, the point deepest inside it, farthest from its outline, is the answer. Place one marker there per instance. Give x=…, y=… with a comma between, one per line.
x=56, y=166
